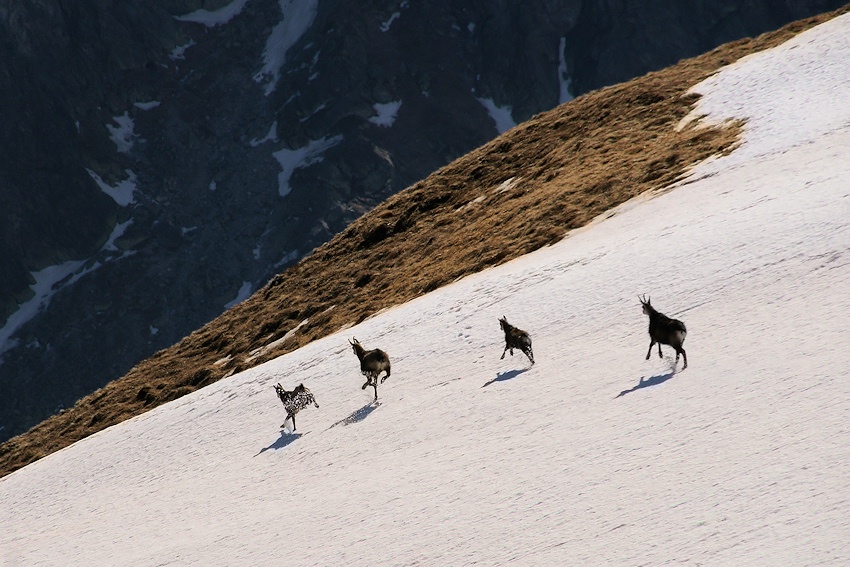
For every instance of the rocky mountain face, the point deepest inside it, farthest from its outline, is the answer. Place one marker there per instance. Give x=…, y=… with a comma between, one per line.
x=162, y=159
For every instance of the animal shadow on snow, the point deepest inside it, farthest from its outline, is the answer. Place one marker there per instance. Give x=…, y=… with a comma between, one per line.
x=509, y=375
x=358, y=415
x=285, y=439
x=653, y=380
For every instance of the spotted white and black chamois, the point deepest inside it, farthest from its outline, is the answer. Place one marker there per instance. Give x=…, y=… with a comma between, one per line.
x=516, y=339
x=372, y=363
x=294, y=401
x=664, y=331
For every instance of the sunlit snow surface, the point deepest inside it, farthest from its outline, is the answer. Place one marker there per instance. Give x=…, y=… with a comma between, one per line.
x=593, y=456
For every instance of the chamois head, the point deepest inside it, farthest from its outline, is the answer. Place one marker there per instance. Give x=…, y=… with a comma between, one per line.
x=281, y=392
x=357, y=347
x=645, y=304
x=503, y=322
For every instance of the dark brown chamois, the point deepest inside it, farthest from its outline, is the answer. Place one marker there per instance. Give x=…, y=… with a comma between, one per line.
x=664, y=331
x=294, y=401
x=372, y=363
x=516, y=339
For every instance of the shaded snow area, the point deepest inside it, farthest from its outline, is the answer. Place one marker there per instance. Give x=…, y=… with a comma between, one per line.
x=565, y=81
x=213, y=18
x=501, y=115
x=288, y=257
x=243, y=294
x=148, y=105
x=179, y=52
x=123, y=192
x=592, y=456
x=43, y=291
x=50, y=280
x=290, y=160
x=386, y=25
x=385, y=113
x=121, y=133
x=298, y=16
x=271, y=136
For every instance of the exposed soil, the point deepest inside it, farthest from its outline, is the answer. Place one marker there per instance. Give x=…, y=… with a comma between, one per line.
x=526, y=189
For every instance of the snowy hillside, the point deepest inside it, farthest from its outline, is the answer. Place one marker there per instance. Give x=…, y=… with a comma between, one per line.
x=593, y=455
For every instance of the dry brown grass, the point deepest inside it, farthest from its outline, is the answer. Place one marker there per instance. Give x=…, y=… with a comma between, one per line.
x=522, y=191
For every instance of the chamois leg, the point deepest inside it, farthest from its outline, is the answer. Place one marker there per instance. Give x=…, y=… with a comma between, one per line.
x=293, y=423
x=387, y=375
x=649, y=352
x=659, y=351
x=530, y=354
x=375, y=385
x=503, y=353
x=684, y=355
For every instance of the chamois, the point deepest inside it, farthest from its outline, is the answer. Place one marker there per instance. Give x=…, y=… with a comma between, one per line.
x=372, y=363
x=294, y=401
x=516, y=339
x=664, y=331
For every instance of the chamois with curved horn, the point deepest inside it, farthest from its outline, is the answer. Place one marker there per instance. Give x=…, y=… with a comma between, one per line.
x=372, y=363
x=516, y=338
x=294, y=401
x=664, y=331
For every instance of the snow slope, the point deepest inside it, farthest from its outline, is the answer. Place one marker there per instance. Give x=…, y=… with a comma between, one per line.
x=592, y=456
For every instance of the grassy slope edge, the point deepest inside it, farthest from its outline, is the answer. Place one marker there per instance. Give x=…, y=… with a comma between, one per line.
x=524, y=190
